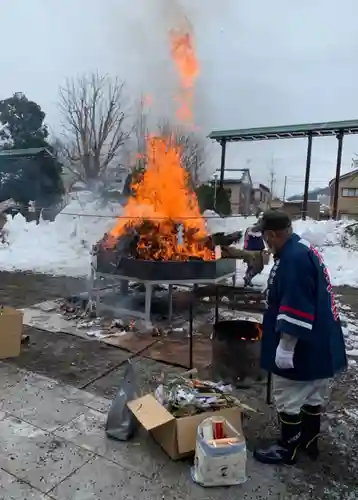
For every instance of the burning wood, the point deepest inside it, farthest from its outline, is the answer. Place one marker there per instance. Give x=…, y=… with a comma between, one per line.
x=164, y=211
x=148, y=242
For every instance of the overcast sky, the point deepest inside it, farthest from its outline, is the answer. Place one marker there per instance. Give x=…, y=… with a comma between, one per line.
x=262, y=63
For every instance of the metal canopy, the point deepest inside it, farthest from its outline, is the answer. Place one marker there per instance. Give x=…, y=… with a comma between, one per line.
x=286, y=132
x=29, y=152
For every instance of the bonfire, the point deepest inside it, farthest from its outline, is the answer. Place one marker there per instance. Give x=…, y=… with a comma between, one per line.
x=163, y=213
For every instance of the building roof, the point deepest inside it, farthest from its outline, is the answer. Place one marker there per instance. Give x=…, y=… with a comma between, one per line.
x=286, y=131
x=10, y=153
x=258, y=185
x=233, y=175
x=344, y=176
x=296, y=202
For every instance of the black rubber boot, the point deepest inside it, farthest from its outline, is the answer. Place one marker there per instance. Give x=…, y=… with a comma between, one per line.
x=284, y=450
x=311, y=427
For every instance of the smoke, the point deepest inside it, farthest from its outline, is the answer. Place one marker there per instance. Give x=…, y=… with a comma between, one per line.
x=145, y=38
x=147, y=33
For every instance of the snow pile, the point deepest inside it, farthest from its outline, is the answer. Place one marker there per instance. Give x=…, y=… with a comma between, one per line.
x=350, y=329
x=328, y=236
x=61, y=247
x=217, y=224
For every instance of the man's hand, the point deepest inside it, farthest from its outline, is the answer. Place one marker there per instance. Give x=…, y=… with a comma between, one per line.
x=284, y=357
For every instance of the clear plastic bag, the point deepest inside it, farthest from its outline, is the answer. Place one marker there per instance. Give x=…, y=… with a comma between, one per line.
x=121, y=423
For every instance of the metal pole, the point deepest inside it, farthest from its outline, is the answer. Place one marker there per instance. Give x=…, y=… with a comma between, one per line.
x=215, y=189
x=269, y=389
x=284, y=189
x=307, y=178
x=191, y=326
x=217, y=296
x=338, y=174
x=191, y=319
x=222, y=164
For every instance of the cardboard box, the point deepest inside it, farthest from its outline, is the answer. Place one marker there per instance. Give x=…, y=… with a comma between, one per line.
x=177, y=436
x=10, y=332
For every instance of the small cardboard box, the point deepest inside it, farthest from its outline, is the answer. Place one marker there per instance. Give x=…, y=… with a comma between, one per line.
x=177, y=436
x=10, y=332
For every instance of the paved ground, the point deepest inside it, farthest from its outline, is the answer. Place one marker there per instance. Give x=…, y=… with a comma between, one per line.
x=52, y=439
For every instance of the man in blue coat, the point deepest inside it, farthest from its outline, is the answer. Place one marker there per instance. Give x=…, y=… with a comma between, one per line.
x=302, y=343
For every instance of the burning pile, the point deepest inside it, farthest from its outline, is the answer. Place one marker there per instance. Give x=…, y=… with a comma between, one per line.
x=164, y=211
x=163, y=216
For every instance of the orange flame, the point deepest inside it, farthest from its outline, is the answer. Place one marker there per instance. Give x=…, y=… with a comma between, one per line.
x=164, y=210
x=187, y=65
x=163, y=201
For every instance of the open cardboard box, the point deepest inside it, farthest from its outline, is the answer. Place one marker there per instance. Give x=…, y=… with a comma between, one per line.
x=10, y=332
x=177, y=436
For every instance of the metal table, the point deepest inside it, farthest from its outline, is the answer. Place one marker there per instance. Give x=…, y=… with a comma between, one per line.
x=123, y=284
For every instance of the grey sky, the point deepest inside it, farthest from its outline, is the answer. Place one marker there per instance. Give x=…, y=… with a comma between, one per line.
x=262, y=63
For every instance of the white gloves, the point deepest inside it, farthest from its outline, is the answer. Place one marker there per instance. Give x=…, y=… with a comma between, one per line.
x=284, y=356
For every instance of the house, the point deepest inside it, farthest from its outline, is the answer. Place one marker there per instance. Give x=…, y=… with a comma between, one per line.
x=261, y=197
x=276, y=204
x=31, y=174
x=10, y=154
x=238, y=182
x=21, y=172
x=294, y=209
x=347, y=195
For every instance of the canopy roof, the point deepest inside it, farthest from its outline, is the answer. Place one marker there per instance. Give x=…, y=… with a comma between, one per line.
x=286, y=131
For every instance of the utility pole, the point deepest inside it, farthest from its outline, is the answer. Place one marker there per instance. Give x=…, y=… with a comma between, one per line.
x=284, y=189
x=215, y=188
x=272, y=176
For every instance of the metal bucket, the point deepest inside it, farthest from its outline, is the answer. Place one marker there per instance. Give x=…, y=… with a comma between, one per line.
x=236, y=348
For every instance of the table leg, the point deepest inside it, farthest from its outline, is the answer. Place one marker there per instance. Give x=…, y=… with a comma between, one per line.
x=269, y=389
x=124, y=285
x=191, y=318
x=148, y=302
x=170, y=304
x=217, y=296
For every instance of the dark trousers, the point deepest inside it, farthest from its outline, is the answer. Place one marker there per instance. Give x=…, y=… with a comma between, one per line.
x=254, y=268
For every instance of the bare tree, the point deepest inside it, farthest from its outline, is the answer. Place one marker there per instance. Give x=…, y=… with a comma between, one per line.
x=141, y=132
x=94, y=125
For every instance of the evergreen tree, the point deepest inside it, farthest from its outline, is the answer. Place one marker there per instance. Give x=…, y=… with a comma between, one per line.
x=34, y=177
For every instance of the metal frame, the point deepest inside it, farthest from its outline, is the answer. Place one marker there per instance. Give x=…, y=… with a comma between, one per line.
x=123, y=282
x=329, y=129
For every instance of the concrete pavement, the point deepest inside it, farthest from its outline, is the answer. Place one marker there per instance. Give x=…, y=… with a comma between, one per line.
x=53, y=446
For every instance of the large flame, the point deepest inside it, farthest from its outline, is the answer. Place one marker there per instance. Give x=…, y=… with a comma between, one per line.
x=164, y=209
x=187, y=65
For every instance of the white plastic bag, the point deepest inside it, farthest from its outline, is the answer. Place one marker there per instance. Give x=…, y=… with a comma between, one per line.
x=223, y=465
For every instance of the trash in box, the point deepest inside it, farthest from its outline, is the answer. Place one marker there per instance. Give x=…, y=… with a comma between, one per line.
x=10, y=332
x=220, y=454
x=183, y=396
x=174, y=419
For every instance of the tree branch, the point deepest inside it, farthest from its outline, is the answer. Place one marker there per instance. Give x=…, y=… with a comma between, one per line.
x=94, y=123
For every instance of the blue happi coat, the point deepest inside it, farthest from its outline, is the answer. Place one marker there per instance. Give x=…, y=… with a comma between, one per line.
x=301, y=303
x=253, y=240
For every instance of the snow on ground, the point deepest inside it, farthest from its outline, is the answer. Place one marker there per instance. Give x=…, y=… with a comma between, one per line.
x=350, y=330
x=63, y=247
x=326, y=235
